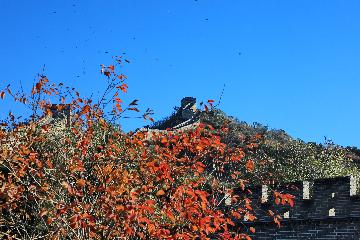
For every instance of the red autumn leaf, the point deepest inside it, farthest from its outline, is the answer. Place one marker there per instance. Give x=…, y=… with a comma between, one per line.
x=2, y=95
x=230, y=222
x=164, y=140
x=123, y=87
x=74, y=221
x=119, y=208
x=249, y=165
x=38, y=86
x=128, y=230
x=160, y=193
x=170, y=215
x=199, y=148
x=118, y=107
x=49, y=221
x=81, y=182
x=210, y=102
x=32, y=156
x=85, y=109
x=111, y=67
x=200, y=167
x=252, y=229
x=236, y=214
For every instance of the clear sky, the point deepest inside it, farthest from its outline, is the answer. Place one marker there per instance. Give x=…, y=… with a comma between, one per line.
x=293, y=65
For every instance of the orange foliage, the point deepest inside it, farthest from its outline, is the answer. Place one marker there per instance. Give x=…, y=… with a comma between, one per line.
x=94, y=181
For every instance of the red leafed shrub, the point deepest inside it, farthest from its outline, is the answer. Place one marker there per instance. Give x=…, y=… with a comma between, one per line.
x=84, y=178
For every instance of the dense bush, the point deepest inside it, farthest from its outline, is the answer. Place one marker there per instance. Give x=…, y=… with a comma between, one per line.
x=83, y=177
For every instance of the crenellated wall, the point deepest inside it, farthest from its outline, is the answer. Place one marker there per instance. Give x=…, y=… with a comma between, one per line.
x=324, y=209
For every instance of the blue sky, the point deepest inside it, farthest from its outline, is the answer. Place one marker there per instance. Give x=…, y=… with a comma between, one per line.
x=293, y=65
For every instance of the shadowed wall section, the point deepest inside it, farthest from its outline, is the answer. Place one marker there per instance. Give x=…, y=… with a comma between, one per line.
x=324, y=209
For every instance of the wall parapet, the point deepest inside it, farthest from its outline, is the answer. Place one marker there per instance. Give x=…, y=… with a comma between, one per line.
x=323, y=209
x=322, y=198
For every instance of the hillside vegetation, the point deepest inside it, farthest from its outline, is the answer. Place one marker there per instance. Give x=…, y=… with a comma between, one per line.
x=278, y=156
x=286, y=158
x=71, y=173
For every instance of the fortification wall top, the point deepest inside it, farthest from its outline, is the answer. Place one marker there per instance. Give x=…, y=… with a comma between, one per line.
x=333, y=198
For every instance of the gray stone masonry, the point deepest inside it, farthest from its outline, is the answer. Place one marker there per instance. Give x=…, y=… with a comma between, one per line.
x=324, y=209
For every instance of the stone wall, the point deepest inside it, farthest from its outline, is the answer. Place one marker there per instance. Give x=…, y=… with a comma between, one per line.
x=324, y=209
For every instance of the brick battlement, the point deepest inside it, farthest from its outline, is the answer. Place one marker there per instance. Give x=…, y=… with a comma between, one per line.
x=324, y=209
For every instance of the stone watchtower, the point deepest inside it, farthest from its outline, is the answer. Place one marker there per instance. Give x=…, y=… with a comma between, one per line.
x=188, y=107
x=60, y=115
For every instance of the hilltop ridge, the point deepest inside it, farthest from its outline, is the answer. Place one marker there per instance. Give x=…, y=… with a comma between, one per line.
x=286, y=158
